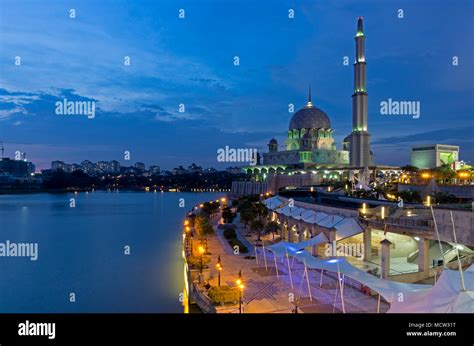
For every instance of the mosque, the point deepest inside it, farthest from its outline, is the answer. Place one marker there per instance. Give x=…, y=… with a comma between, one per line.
x=310, y=147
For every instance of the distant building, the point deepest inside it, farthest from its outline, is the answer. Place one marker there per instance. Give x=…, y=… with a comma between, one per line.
x=194, y=169
x=60, y=165
x=234, y=170
x=154, y=169
x=102, y=166
x=88, y=166
x=209, y=170
x=113, y=167
x=16, y=168
x=140, y=166
x=178, y=170
x=31, y=168
x=435, y=155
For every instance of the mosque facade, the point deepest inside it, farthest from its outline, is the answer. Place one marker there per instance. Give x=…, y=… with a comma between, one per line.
x=310, y=146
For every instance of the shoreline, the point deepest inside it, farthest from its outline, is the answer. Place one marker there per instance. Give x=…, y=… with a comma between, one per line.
x=8, y=192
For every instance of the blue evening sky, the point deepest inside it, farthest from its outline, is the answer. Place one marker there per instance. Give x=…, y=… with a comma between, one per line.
x=190, y=61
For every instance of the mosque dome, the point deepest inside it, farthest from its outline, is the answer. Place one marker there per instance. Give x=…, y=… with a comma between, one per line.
x=309, y=117
x=273, y=141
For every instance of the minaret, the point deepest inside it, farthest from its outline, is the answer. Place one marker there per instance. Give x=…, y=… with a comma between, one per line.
x=360, y=155
x=310, y=103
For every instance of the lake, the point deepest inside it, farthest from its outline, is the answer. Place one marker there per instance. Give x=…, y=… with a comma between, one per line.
x=81, y=250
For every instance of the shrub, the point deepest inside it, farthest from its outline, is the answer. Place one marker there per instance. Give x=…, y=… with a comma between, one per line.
x=223, y=295
x=195, y=261
x=242, y=248
x=229, y=234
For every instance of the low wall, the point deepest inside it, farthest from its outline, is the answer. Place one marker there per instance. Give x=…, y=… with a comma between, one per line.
x=464, y=222
x=460, y=191
x=418, y=276
x=202, y=300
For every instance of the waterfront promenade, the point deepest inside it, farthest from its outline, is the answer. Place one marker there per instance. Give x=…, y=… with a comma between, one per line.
x=267, y=292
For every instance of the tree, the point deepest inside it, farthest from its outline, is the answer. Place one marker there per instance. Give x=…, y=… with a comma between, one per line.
x=272, y=227
x=247, y=216
x=227, y=215
x=202, y=226
x=245, y=205
x=410, y=169
x=410, y=196
x=261, y=210
x=445, y=173
x=257, y=225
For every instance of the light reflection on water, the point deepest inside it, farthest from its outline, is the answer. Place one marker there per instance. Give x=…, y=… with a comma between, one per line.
x=81, y=250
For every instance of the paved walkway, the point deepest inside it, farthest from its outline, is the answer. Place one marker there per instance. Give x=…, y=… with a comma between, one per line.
x=265, y=292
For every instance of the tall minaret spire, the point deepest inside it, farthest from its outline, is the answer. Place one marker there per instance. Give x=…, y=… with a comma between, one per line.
x=360, y=155
x=310, y=103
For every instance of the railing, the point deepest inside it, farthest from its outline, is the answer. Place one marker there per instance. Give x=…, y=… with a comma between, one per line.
x=202, y=300
x=396, y=221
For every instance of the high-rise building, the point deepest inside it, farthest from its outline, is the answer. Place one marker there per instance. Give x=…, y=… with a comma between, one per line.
x=140, y=166
x=113, y=167
x=88, y=166
x=60, y=165
x=18, y=168
x=358, y=142
x=102, y=166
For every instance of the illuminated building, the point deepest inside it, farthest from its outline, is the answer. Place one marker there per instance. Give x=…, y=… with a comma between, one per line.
x=435, y=155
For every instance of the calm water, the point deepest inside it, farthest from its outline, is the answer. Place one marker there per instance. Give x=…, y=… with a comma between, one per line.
x=81, y=250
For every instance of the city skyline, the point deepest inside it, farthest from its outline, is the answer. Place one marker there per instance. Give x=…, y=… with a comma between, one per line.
x=176, y=61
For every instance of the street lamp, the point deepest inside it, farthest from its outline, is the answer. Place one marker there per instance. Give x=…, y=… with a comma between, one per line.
x=241, y=287
x=219, y=269
x=201, y=252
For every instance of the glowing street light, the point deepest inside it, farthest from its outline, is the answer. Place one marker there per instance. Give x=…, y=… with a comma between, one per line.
x=428, y=200
x=240, y=286
x=219, y=269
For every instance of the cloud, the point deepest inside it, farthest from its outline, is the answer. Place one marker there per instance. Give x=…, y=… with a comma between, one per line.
x=457, y=134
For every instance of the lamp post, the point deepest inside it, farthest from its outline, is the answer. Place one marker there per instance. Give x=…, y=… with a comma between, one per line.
x=201, y=252
x=241, y=287
x=219, y=269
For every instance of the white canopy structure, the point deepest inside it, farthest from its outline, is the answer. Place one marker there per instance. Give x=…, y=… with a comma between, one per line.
x=386, y=288
x=273, y=203
x=446, y=296
x=345, y=226
x=283, y=248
